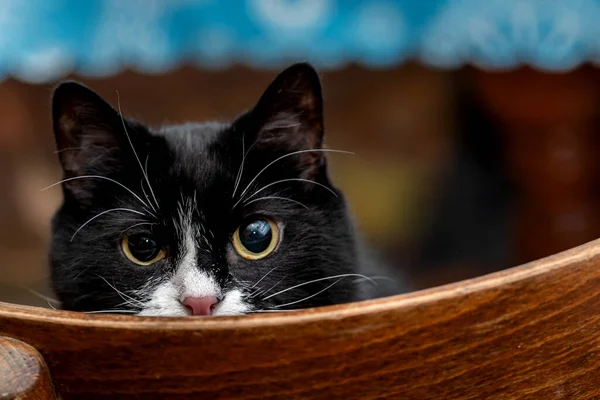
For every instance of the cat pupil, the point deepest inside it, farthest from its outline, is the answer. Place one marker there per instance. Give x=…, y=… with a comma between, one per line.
x=144, y=248
x=256, y=236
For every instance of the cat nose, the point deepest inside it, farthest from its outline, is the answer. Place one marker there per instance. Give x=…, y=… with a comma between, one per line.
x=200, y=305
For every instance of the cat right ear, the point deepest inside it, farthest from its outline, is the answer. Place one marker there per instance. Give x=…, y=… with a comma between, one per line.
x=85, y=128
x=289, y=118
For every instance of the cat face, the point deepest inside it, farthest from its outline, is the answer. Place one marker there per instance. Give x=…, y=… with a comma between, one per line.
x=199, y=219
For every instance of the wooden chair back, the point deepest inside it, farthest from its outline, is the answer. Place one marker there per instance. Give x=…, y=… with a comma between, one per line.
x=530, y=332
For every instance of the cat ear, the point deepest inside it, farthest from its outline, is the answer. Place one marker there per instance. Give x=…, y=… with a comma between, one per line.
x=89, y=137
x=85, y=128
x=289, y=116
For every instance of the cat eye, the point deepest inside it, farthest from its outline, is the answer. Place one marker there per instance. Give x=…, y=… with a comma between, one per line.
x=142, y=249
x=256, y=239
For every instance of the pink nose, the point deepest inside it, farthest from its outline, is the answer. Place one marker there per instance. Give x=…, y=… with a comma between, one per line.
x=200, y=305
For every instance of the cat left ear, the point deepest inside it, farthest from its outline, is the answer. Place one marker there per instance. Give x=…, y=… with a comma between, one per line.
x=88, y=134
x=85, y=127
x=289, y=115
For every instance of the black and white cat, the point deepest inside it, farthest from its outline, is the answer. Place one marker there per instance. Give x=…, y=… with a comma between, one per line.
x=203, y=219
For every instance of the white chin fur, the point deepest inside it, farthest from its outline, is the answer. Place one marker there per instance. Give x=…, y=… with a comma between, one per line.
x=232, y=304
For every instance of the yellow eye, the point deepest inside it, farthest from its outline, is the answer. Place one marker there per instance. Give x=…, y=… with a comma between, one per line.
x=142, y=249
x=256, y=239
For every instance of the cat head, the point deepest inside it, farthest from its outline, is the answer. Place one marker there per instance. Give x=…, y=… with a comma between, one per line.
x=199, y=219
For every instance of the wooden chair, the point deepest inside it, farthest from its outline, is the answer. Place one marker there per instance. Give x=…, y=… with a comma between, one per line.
x=530, y=332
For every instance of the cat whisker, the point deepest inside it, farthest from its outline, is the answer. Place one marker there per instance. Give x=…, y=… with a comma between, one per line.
x=287, y=180
x=42, y=296
x=128, y=303
x=264, y=276
x=83, y=271
x=274, y=311
x=128, y=299
x=241, y=168
x=276, y=198
x=144, y=190
x=146, y=175
x=255, y=293
x=99, y=177
x=134, y=225
x=135, y=153
x=319, y=280
x=308, y=297
x=102, y=213
x=376, y=278
x=111, y=312
x=281, y=158
x=118, y=220
x=263, y=292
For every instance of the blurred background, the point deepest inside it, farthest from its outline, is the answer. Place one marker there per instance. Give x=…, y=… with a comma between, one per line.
x=474, y=123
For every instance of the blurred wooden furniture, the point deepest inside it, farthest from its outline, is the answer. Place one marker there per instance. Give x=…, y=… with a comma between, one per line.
x=531, y=332
x=550, y=126
x=23, y=373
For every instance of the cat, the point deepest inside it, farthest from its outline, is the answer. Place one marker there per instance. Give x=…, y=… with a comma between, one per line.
x=204, y=219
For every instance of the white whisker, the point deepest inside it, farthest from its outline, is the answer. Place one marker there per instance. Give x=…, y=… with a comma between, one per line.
x=134, y=225
x=111, y=312
x=284, y=156
x=239, y=174
x=273, y=311
x=144, y=191
x=318, y=280
x=376, y=278
x=40, y=295
x=98, y=177
x=287, y=180
x=257, y=292
x=133, y=149
x=128, y=299
x=83, y=271
x=263, y=292
x=264, y=276
x=102, y=213
x=309, y=297
x=241, y=171
x=146, y=175
x=276, y=198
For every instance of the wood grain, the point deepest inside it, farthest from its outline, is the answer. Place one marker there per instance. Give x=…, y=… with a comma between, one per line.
x=531, y=332
x=23, y=373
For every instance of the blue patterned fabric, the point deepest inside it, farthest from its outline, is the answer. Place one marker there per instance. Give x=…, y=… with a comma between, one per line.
x=41, y=40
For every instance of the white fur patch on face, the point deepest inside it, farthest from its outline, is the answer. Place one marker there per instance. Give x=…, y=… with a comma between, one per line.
x=232, y=304
x=189, y=281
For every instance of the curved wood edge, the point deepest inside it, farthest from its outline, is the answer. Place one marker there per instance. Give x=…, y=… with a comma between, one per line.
x=23, y=373
x=569, y=258
x=531, y=332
